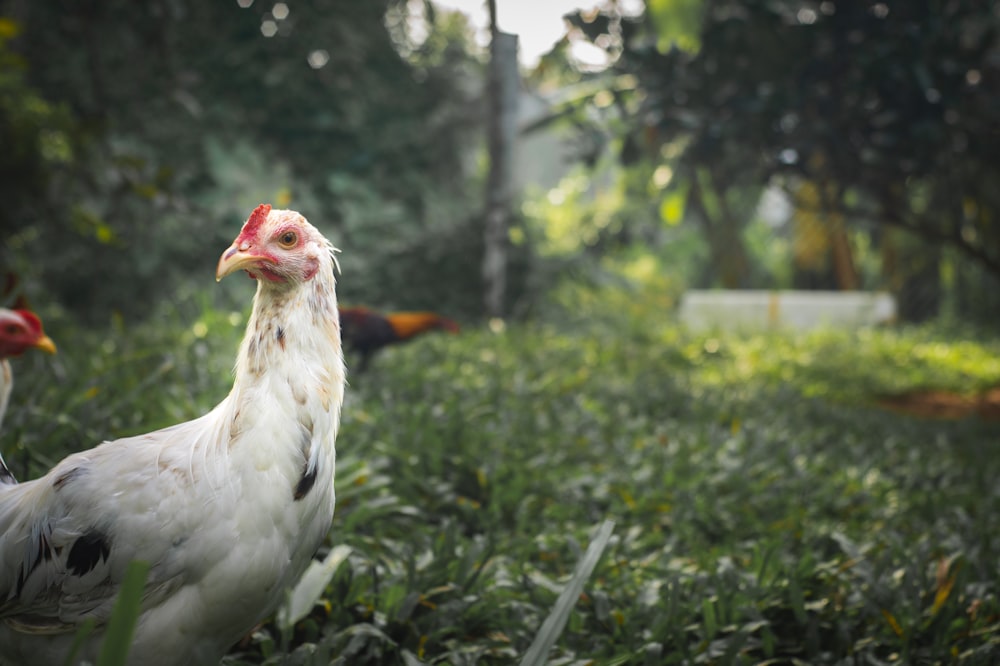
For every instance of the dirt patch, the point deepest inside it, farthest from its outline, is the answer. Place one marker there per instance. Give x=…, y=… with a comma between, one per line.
x=945, y=404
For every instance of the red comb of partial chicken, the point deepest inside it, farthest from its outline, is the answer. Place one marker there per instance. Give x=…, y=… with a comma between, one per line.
x=20, y=330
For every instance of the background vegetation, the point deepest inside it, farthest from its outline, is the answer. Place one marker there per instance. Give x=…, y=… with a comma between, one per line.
x=768, y=507
x=139, y=136
x=766, y=511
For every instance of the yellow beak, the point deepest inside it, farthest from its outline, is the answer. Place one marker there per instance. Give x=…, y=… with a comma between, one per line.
x=45, y=344
x=234, y=259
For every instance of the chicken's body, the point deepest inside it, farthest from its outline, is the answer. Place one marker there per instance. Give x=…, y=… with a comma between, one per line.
x=367, y=331
x=20, y=330
x=227, y=509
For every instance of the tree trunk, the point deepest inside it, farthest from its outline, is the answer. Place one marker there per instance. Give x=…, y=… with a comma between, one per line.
x=920, y=294
x=840, y=245
x=728, y=255
x=502, y=98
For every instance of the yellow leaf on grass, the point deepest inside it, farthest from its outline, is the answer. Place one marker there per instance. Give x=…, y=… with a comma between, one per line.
x=893, y=623
x=942, y=593
x=421, y=646
x=8, y=28
x=105, y=234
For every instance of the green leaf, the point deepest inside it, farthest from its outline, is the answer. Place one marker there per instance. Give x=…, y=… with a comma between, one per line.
x=537, y=654
x=708, y=615
x=678, y=22
x=310, y=587
x=121, y=626
x=672, y=207
x=82, y=634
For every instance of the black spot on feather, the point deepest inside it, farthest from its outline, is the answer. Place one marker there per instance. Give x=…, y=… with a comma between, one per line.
x=6, y=478
x=44, y=550
x=306, y=483
x=67, y=476
x=281, y=337
x=44, y=554
x=86, y=552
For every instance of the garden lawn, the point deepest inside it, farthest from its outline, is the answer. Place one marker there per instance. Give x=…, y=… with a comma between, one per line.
x=765, y=510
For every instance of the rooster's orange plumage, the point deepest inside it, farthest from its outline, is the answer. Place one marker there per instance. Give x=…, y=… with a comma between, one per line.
x=366, y=331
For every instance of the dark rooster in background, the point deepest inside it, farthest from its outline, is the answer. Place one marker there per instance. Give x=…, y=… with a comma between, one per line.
x=366, y=331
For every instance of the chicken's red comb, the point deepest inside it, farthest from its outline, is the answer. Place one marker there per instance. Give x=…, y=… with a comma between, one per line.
x=31, y=319
x=256, y=219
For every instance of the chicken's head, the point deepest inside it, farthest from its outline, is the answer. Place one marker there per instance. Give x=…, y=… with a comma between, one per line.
x=276, y=246
x=20, y=330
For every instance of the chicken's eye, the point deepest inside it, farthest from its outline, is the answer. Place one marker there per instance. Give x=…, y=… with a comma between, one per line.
x=288, y=239
x=12, y=329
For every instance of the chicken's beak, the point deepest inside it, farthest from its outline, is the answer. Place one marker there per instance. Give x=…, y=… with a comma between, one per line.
x=233, y=260
x=45, y=344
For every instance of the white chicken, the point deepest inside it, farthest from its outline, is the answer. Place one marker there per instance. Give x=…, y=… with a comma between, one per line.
x=227, y=509
x=20, y=330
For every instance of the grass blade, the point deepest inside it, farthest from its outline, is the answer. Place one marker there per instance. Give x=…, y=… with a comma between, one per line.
x=310, y=587
x=82, y=634
x=121, y=625
x=537, y=654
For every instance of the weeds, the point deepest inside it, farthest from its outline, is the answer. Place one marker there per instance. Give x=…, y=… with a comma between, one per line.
x=764, y=511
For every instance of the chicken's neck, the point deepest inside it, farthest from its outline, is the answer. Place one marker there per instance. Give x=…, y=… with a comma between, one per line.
x=290, y=364
x=297, y=329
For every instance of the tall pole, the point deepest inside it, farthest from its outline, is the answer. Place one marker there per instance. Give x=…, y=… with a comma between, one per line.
x=502, y=91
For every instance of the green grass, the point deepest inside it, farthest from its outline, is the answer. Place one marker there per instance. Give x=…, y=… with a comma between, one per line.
x=764, y=511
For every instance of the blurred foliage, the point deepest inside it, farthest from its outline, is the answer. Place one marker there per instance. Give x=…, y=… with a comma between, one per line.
x=764, y=509
x=886, y=109
x=140, y=136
